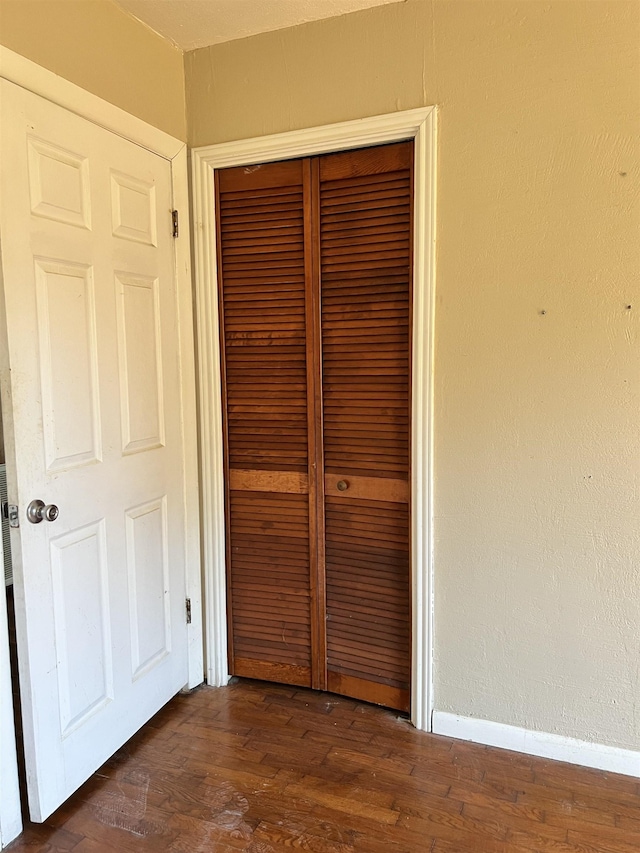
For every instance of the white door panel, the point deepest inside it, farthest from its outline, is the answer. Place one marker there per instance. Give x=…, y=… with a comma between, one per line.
x=93, y=352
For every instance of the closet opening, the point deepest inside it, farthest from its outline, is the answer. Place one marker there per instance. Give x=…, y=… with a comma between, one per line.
x=315, y=299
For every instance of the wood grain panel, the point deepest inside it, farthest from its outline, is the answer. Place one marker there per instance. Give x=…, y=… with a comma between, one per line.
x=378, y=694
x=269, y=481
x=370, y=488
x=266, y=671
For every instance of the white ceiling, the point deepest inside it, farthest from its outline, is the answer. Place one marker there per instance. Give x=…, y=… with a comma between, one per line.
x=196, y=23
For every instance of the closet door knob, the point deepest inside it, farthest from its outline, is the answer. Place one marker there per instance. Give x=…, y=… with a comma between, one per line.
x=342, y=485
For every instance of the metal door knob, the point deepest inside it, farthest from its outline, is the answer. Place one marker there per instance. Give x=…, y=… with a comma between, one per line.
x=342, y=485
x=37, y=512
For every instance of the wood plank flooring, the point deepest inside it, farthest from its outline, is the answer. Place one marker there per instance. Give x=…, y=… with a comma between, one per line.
x=263, y=768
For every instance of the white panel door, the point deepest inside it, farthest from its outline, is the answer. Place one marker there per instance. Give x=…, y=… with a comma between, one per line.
x=92, y=395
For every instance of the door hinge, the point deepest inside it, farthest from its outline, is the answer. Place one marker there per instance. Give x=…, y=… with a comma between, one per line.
x=10, y=512
x=175, y=225
x=188, y=610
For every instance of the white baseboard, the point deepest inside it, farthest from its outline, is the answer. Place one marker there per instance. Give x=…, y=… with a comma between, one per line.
x=542, y=744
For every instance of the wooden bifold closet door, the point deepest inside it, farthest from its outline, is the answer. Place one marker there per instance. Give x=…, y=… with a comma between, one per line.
x=314, y=261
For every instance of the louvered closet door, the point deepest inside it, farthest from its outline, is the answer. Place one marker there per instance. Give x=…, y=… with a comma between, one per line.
x=365, y=248
x=315, y=278
x=261, y=253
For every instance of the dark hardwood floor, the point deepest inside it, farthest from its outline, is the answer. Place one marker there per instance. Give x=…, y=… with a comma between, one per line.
x=262, y=768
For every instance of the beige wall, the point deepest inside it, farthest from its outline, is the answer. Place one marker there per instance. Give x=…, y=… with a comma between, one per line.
x=95, y=44
x=537, y=357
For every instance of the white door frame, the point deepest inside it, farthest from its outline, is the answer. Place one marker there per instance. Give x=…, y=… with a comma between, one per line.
x=27, y=74
x=420, y=125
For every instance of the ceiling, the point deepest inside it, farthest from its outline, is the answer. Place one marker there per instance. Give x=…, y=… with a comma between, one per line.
x=190, y=24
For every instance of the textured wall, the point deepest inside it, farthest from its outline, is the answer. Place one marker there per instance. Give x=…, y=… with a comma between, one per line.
x=96, y=45
x=537, y=354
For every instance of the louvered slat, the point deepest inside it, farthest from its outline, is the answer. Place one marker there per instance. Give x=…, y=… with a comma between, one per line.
x=365, y=249
x=262, y=263
x=271, y=595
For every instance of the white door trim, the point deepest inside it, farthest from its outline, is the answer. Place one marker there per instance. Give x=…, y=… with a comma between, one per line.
x=27, y=74
x=419, y=124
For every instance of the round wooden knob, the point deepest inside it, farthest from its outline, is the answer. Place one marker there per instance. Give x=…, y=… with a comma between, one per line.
x=342, y=485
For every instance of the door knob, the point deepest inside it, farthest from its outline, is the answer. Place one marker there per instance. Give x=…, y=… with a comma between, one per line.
x=37, y=512
x=342, y=485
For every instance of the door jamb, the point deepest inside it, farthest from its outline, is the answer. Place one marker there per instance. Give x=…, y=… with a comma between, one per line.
x=419, y=125
x=27, y=74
